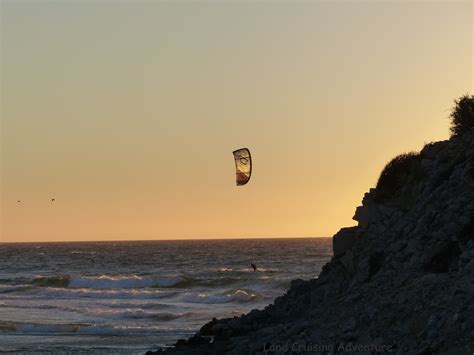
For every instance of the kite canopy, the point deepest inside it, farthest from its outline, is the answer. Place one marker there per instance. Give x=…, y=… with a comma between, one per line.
x=243, y=166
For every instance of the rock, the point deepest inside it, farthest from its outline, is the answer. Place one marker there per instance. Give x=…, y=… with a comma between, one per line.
x=386, y=211
x=402, y=280
x=346, y=260
x=442, y=257
x=344, y=240
x=366, y=214
x=464, y=220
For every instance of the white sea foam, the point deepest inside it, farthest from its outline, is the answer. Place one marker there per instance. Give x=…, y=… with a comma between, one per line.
x=70, y=296
x=84, y=329
x=133, y=281
x=101, y=294
x=259, y=269
x=235, y=296
x=127, y=313
x=224, y=269
x=140, y=304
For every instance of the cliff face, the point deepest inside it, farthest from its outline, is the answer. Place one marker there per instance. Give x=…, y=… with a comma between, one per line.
x=401, y=281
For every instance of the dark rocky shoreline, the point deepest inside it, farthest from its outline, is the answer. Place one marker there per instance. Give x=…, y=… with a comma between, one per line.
x=400, y=282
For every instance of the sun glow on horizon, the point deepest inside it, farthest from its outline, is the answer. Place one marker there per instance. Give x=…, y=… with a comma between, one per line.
x=127, y=113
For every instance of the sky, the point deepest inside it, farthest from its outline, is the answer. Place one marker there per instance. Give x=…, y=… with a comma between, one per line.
x=127, y=112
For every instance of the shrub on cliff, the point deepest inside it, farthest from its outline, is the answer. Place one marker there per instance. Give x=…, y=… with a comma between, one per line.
x=400, y=172
x=462, y=115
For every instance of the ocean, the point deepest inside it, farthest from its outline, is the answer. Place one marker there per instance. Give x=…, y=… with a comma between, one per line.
x=131, y=297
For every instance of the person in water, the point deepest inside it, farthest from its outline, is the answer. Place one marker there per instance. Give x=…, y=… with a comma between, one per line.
x=253, y=266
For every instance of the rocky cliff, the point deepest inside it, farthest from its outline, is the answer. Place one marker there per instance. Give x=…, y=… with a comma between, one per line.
x=401, y=281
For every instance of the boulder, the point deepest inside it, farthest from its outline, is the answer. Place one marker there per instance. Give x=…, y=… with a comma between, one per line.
x=344, y=240
x=367, y=213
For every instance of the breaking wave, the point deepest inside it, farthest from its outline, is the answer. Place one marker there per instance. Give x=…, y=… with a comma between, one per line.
x=14, y=288
x=81, y=329
x=232, y=296
x=133, y=281
x=78, y=297
x=115, y=282
x=103, y=294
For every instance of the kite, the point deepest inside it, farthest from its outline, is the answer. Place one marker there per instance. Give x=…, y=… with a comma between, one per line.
x=243, y=166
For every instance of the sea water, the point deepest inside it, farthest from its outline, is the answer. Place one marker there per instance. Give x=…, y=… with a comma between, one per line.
x=131, y=297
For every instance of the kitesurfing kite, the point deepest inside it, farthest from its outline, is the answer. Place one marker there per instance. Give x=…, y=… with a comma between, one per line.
x=243, y=166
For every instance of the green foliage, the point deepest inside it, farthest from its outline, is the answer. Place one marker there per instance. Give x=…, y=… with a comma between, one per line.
x=401, y=171
x=462, y=115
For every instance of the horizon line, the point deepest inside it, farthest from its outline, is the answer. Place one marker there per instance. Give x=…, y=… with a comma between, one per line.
x=156, y=240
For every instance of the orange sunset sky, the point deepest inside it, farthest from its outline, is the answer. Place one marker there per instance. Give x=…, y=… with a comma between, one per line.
x=127, y=112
